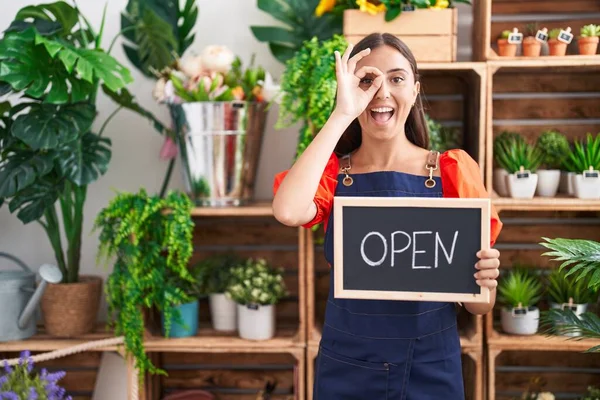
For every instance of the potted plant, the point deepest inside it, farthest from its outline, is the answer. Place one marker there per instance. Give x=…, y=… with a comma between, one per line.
x=532, y=47
x=500, y=173
x=555, y=149
x=565, y=291
x=150, y=239
x=520, y=292
x=521, y=161
x=256, y=288
x=584, y=161
x=22, y=381
x=442, y=138
x=505, y=47
x=214, y=275
x=592, y=393
x=588, y=40
x=556, y=46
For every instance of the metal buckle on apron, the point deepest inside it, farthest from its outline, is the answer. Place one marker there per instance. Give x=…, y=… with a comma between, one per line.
x=432, y=165
x=347, y=181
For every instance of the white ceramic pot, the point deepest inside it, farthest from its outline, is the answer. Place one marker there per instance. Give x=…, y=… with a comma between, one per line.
x=256, y=322
x=223, y=312
x=499, y=182
x=521, y=188
x=548, y=181
x=520, y=321
x=570, y=179
x=578, y=309
x=586, y=188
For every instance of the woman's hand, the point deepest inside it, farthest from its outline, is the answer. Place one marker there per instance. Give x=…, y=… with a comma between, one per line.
x=351, y=98
x=488, y=266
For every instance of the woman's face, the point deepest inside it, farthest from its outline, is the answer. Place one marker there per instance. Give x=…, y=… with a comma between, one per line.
x=386, y=115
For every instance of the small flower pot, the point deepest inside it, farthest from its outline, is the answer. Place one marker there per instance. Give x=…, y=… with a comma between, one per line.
x=578, y=309
x=223, y=312
x=506, y=49
x=256, y=322
x=189, y=315
x=521, y=187
x=499, y=182
x=531, y=47
x=556, y=47
x=520, y=321
x=548, y=181
x=585, y=187
x=588, y=45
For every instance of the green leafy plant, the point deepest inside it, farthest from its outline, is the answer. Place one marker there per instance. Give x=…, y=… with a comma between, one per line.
x=514, y=154
x=214, y=273
x=504, y=34
x=554, y=33
x=151, y=239
x=300, y=24
x=555, y=148
x=590, y=30
x=308, y=87
x=254, y=282
x=442, y=138
x=592, y=393
x=519, y=288
x=584, y=155
x=561, y=288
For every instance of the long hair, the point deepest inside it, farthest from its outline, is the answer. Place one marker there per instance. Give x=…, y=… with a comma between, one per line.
x=416, y=125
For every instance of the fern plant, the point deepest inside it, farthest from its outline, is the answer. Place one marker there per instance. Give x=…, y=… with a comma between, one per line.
x=151, y=239
x=585, y=155
x=519, y=288
x=514, y=154
x=214, y=273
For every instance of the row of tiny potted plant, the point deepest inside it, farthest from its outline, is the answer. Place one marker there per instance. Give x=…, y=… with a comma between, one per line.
x=242, y=295
x=550, y=165
x=521, y=290
x=556, y=39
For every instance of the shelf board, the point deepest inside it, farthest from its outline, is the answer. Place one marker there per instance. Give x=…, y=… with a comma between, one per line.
x=545, y=204
x=502, y=341
x=258, y=209
x=45, y=342
x=452, y=66
x=208, y=340
x=544, y=61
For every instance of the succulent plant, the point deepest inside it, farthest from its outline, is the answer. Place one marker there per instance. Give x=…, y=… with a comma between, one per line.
x=590, y=30
x=554, y=33
x=519, y=288
x=512, y=152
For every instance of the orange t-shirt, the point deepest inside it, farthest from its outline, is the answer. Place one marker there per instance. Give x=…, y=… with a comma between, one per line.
x=460, y=179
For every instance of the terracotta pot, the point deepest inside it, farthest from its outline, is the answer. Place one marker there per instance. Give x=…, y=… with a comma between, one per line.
x=531, y=47
x=71, y=309
x=588, y=45
x=190, y=395
x=506, y=49
x=556, y=47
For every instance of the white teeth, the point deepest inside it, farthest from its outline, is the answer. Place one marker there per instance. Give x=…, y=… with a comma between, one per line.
x=382, y=109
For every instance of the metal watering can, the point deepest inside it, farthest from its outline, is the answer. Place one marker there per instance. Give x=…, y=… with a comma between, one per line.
x=19, y=298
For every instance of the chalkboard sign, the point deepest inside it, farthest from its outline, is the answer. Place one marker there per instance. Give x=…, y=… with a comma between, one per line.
x=409, y=248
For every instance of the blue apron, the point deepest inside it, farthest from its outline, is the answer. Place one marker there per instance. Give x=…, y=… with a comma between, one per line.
x=385, y=349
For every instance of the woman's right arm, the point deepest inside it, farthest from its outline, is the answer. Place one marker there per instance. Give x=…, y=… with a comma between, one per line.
x=293, y=203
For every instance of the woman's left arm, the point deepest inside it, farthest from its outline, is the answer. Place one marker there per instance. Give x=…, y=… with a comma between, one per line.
x=486, y=275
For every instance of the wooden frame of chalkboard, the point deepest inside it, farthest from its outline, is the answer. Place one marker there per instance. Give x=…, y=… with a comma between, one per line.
x=367, y=277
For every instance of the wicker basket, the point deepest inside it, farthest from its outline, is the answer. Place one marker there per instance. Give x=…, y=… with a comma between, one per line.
x=71, y=309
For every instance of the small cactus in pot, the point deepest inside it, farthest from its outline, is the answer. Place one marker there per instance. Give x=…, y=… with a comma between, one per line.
x=588, y=39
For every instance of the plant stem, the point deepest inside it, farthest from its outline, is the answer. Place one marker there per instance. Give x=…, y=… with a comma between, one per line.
x=108, y=119
x=74, y=237
x=53, y=232
x=129, y=28
x=165, y=183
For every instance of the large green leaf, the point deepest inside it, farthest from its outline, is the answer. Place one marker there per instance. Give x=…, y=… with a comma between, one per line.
x=155, y=41
x=59, y=12
x=34, y=200
x=46, y=126
x=125, y=99
x=187, y=20
x=44, y=28
x=301, y=25
x=89, y=64
x=29, y=67
x=21, y=169
x=85, y=160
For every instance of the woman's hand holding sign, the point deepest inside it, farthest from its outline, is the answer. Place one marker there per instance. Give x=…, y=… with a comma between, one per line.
x=488, y=267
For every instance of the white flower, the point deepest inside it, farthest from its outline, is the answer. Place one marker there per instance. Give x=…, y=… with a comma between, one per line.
x=159, y=90
x=217, y=58
x=191, y=66
x=545, y=396
x=270, y=90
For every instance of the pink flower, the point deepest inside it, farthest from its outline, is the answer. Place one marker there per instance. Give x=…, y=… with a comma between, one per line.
x=217, y=58
x=168, y=149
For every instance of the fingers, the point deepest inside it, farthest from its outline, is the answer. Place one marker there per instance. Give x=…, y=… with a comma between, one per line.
x=356, y=58
x=346, y=56
x=362, y=72
x=488, y=283
x=487, y=274
x=338, y=65
x=488, y=263
x=488, y=253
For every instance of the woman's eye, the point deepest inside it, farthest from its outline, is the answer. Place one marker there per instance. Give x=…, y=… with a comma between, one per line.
x=397, y=79
x=366, y=81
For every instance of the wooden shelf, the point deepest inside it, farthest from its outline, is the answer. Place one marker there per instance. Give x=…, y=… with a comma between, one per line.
x=258, y=209
x=501, y=341
x=577, y=61
x=210, y=341
x=45, y=342
x=479, y=67
x=545, y=204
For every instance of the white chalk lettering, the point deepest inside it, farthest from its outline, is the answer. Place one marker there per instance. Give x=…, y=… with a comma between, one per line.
x=362, y=249
x=394, y=250
x=415, y=251
x=438, y=242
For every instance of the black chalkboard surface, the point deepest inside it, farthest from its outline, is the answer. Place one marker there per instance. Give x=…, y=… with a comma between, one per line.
x=409, y=248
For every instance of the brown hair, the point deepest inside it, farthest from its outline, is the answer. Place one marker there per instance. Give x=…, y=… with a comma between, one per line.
x=416, y=126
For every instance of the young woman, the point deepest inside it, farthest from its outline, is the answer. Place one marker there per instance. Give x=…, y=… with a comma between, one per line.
x=375, y=143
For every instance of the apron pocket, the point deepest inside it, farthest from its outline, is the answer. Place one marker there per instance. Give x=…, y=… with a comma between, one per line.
x=342, y=378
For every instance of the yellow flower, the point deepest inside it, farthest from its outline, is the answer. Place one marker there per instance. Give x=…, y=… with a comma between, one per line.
x=439, y=4
x=324, y=6
x=368, y=7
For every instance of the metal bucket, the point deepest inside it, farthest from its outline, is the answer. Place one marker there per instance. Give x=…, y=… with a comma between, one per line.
x=219, y=144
